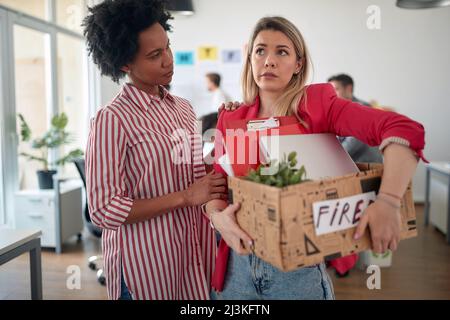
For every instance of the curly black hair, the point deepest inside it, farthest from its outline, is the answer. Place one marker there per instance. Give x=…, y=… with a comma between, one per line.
x=112, y=29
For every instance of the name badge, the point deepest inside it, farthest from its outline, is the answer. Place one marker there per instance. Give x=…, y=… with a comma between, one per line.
x=254, y=125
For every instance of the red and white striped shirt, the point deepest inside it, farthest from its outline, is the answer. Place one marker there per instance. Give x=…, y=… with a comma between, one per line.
x=132, y=153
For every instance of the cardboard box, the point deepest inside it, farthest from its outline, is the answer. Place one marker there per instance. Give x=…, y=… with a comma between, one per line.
x=282, y=225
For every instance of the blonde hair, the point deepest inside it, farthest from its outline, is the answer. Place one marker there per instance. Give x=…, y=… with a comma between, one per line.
x=287, y=103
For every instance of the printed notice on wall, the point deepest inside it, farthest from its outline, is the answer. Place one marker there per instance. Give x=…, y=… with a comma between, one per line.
x=340, y=214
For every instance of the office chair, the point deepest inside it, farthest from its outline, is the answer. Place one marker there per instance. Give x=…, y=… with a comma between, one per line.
x=93, y=229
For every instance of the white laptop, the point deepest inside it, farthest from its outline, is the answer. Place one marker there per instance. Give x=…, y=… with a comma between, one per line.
x=322, y=154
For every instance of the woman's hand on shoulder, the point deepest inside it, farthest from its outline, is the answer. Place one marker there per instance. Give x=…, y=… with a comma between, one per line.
x=230, y=106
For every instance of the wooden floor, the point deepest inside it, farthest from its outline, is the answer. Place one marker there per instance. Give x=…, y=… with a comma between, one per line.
x=420, y=270
x=15, y=275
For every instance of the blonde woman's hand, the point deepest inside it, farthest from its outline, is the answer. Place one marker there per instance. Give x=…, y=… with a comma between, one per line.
x=230, y=106
x=384, y=222
x=225, y=222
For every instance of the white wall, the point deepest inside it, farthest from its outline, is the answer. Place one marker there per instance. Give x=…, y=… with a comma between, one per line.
x=404, y=65
x=108, y=90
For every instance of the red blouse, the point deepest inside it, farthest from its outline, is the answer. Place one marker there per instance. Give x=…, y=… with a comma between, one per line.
x=324, y=112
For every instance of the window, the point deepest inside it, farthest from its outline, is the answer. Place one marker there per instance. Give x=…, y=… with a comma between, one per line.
x=31, y=64
x=36, y=8
x=70, y=13
x=72, y=93
x=44, y=71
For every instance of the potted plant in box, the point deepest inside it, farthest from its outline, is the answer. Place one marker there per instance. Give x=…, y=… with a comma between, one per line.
x=55, y=137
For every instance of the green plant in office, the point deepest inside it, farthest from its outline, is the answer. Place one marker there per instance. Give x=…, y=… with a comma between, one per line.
x=53, y=138
x=286, y=174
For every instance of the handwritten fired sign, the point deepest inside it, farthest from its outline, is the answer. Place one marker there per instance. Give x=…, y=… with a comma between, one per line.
x=340, y=214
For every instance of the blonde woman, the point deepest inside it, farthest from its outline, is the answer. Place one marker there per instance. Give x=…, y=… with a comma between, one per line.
x=274, y=84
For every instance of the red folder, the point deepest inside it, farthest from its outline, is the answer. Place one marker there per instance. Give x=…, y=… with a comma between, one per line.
x=242, y=145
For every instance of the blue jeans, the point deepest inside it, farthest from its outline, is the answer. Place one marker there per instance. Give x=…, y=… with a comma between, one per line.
x=124, y=293
x=250, y=278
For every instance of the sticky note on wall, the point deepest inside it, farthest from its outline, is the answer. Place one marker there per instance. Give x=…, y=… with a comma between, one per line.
x=231, y=56
x=185, y=58
x=207, y=53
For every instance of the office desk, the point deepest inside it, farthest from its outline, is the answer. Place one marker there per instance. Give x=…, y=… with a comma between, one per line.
x=13, y=243
x=441, y=169
x=57, y=212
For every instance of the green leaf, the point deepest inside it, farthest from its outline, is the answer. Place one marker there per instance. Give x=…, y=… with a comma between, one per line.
x=55, y=139
x=25, y=131
x=286, y=174
x=302, y=172
x=280, y=182
x=60, y=121
x=294, y=179
x=283, y=168
x=38, y=143
x=293, y=163
x=77, y=153
x=292, y=156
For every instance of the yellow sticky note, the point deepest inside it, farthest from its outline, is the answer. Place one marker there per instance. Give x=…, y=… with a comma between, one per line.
x=207, y=53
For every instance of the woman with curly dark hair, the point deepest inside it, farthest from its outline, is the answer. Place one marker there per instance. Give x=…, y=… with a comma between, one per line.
x=146, y=180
